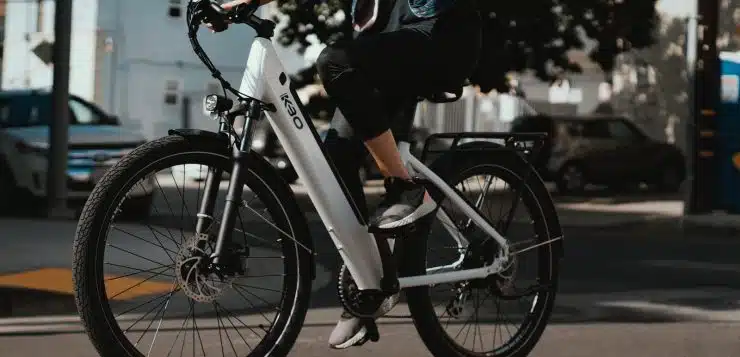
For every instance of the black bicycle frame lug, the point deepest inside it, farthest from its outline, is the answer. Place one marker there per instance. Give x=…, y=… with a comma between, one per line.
x=389, y=283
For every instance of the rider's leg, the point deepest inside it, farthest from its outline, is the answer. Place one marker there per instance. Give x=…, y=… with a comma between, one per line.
x=415, y=59
x=385, y=152
x=395, y=62
x=344, y=149
x=346, y=78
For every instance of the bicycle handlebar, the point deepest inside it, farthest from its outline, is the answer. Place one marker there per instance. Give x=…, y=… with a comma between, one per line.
x=210, y=12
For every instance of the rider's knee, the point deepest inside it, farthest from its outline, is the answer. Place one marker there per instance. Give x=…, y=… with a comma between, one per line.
x=332, y=61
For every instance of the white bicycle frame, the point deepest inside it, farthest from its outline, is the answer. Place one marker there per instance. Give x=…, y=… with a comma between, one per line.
x=265, y=79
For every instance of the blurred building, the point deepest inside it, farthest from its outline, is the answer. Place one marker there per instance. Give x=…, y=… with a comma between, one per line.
x=132, y=57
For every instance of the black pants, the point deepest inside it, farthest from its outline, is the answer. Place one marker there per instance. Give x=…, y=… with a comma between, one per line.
x=375, y=78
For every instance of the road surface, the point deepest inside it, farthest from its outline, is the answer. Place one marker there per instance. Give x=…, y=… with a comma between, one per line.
x=628, y=288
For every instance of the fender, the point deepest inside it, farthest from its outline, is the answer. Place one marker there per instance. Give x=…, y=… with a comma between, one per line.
x=553, y=221
x=261, y=165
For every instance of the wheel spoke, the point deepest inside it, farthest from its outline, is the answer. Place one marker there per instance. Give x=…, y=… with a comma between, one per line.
x=487, y=187
x=156, y=280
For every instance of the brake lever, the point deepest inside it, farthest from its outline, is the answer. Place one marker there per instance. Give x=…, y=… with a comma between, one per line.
x=241, y=13
x=214, y=15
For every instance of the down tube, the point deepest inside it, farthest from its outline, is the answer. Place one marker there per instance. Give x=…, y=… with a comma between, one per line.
x=266, y=79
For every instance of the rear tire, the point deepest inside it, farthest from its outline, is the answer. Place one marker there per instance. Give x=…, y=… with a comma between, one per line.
x=93, y=229
x=538, y=202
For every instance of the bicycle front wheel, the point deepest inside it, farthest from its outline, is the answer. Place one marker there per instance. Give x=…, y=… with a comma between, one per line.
x=504, y=314
x=144, y=287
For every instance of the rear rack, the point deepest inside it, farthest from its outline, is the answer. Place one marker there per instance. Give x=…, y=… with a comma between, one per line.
x=527, y=144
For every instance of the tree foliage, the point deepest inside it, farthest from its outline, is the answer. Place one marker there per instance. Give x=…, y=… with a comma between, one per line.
x=531, y=35
x=662, y=109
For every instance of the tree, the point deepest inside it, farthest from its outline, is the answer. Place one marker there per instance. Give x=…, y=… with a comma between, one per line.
x=669, y=97
x=728, y=39
x=517, y=35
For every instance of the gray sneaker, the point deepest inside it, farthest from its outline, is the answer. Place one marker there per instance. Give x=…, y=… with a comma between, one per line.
x=402, y=205
x=352, y=331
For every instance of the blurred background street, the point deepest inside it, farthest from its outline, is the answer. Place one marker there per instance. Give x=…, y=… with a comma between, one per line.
x=640, y=100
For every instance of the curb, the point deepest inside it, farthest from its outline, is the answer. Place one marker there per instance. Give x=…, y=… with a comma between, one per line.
x=713, y=224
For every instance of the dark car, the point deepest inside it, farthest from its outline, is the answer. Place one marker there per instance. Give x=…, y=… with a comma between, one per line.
x=602, y=150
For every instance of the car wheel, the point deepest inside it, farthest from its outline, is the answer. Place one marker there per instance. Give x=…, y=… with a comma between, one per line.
x=8, y=192
x=571, y=179
x=669, y=180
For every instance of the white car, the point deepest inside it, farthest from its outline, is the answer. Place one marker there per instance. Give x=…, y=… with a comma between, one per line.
x=96, y=142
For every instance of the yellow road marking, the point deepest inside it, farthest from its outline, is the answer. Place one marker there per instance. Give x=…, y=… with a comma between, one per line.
x=59, y=280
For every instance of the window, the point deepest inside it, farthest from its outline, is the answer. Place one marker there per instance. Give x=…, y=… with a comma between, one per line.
x=596, y=129
x=175, y=8
x=172, y=92
x=83, y=114
x=621, y=131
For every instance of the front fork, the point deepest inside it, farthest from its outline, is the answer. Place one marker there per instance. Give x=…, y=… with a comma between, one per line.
x=235, y=190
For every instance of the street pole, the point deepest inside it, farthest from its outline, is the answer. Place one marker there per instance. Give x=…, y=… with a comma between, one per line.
x=56, y=183
x=706, y=103
x=691, y=44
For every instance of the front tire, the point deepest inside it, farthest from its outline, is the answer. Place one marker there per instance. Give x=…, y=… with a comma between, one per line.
x=94, y=233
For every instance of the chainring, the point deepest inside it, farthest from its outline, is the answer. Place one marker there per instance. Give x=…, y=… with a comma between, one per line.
x=362, y=304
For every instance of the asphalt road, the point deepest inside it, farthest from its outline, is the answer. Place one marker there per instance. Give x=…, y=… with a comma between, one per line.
x=634, y=289
x=623, y=292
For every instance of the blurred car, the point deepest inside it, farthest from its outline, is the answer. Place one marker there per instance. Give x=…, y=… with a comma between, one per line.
x=605, y=150
x=96, y=142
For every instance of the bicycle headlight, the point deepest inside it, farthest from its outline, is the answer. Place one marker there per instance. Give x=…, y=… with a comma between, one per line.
x=210, y=103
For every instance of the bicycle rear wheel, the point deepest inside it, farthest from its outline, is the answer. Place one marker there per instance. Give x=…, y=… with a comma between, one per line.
x=143, y=288
x=465, y=318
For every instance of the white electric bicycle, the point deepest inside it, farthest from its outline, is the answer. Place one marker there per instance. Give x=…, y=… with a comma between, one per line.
x=203, y=294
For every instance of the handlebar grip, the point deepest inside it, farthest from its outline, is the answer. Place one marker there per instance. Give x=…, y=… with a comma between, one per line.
x=215, y=15
x=243, y=12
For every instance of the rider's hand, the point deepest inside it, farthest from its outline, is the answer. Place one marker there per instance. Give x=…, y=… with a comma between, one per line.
x=228, y=6
x=232, y=4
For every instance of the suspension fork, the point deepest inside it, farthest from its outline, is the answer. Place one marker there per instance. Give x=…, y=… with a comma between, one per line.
x=205, y=217
x=236, y=183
